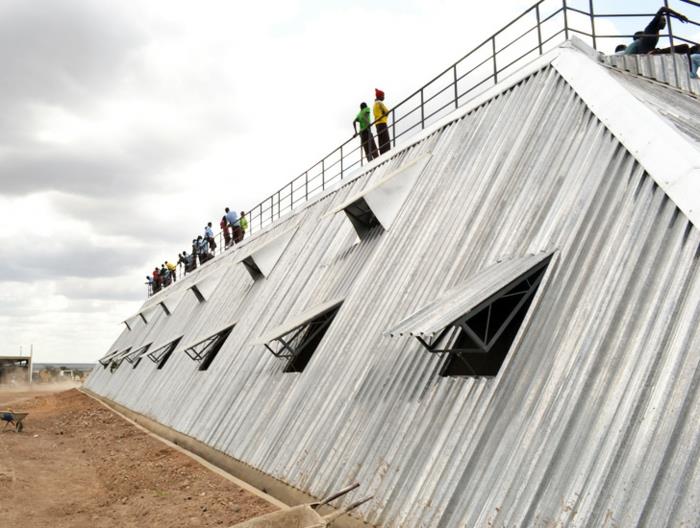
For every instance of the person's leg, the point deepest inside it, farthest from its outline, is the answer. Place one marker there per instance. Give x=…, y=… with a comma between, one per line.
x=383, y=137
x=694, y=65
x=373, y=145
x=364, y=138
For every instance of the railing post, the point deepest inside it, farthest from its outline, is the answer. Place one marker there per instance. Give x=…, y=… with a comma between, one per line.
x=342, y=158
x=323, y=174
x=670, y=40
x=539, y=28
x=454, y=81
x=272, y=208
x=393, y=127
x=495, y=66
x=306, y=185
x=566, y=19
x=279, y=203
x=590, y=8
x=422, y=111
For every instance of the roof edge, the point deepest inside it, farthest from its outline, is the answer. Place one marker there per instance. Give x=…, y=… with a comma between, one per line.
x=672, y=160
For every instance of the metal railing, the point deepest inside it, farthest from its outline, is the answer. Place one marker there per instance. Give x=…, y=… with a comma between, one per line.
x=534, y=32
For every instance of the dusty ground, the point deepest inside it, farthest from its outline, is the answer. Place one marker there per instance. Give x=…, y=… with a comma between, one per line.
x=77, y=464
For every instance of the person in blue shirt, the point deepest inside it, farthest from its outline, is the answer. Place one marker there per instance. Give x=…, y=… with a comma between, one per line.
x=234, y=222
x=209, y=236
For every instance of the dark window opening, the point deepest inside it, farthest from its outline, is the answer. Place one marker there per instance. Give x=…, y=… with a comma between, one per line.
x=206, y=350
x=161, y=355
x=300, y=343
x=479, y=342
x=361, y=217
x=165, y=308
x=253, y=268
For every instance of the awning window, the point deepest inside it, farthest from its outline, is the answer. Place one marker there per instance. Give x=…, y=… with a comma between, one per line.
x=172, y=301
x=262, y=257
x=116, y=361
x=298, y=339
x=206, y=350
x=135, y=357
x=380, y=203
x=205, y=287
x=476, y=322
x=160, y=355
x=104, y=361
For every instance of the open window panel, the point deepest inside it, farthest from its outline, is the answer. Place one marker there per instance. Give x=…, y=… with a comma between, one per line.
x=297, y=340
x=170, y=303
x=475, y=324
x=380, y=203
x=130, y=323
x=206, y=350
x=206, y=286
x=161, y=355
x=261, y=257
x=105, y=360
x=134, y=358
x=117, y=360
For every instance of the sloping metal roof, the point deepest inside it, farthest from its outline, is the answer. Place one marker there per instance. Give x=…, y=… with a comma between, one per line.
x=432, y=318
x=592, y=419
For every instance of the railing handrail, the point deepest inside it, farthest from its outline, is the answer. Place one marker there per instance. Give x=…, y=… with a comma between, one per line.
x=345, y=158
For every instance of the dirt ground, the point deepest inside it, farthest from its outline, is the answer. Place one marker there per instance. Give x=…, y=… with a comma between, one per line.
x=77, y=464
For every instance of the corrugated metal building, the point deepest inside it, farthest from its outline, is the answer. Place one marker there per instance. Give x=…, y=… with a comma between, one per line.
x=592, y=418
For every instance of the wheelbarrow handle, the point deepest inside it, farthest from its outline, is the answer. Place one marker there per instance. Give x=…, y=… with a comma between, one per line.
x=337, y=494
x=333, y=516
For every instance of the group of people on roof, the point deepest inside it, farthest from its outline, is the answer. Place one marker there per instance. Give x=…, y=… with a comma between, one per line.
x=644, y=42
x=233, y=229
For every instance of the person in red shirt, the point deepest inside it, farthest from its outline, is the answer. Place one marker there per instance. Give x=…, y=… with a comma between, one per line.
x=227, y=234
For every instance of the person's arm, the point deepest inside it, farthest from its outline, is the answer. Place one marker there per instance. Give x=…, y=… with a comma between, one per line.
x=655, y=25
x=354, y=126
x=676, y=14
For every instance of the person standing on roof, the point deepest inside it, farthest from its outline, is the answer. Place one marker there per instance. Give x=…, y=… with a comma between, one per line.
x=363, y=118
x=156, y=280
x=209, y=236
x=172, y=268
x=224, y=229
x=646, y=41
x=234, y=222
x=381, y=116
x=243, y=221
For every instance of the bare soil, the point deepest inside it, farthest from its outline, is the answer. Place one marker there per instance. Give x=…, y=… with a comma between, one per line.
x=77, y=464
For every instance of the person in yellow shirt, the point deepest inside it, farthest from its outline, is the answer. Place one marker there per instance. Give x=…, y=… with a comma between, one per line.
x=172, y=268
x=381, y=116
x=243, y=221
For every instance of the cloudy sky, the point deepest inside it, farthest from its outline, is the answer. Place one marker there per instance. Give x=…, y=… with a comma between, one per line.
x=125, y=126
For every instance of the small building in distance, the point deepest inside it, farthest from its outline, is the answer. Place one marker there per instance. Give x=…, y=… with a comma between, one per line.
x=15, y=370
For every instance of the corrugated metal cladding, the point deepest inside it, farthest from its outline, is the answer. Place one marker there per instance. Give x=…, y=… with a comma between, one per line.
x=593, y=418
x=671, y=69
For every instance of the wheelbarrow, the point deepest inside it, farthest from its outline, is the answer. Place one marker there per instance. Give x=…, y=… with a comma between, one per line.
x=15, y=418
x=305, y=515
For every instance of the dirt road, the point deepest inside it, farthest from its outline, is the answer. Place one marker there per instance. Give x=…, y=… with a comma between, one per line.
x=77, y=464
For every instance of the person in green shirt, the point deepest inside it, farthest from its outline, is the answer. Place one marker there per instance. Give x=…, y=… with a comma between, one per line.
x=364, y=119
x=243, y=221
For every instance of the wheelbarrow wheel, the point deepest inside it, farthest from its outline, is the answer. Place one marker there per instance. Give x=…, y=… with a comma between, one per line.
x=19, y=427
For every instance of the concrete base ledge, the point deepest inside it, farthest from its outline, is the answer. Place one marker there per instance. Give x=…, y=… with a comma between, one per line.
x=248, y=474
